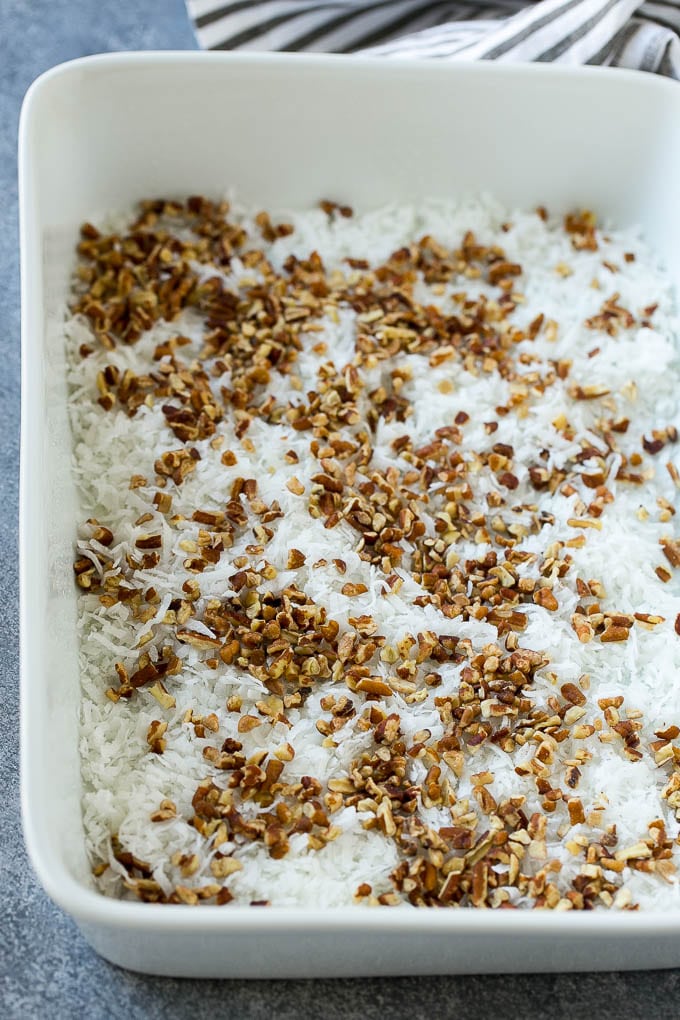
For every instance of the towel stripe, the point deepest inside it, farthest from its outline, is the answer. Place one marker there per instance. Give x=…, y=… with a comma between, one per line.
x=354, y=20
x=643, y=34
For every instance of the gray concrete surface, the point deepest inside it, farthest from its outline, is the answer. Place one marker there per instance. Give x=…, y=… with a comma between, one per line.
x=46, y=969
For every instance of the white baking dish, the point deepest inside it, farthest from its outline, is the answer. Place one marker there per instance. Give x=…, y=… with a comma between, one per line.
x=102, y=132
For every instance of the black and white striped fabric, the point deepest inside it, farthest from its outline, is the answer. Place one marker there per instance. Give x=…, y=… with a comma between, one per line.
x=622, y=33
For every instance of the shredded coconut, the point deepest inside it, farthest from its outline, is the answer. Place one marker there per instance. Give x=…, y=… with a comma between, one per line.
x=439, y=663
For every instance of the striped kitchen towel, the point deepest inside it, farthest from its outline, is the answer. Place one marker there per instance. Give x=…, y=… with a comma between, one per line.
x=622, y=33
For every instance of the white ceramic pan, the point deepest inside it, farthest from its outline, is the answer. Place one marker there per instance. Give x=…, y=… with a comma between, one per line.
x=103, y=132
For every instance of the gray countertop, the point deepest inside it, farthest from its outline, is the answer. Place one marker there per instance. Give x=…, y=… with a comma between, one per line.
x=46, y=968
